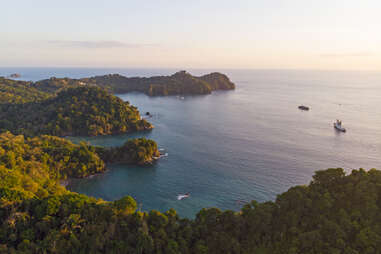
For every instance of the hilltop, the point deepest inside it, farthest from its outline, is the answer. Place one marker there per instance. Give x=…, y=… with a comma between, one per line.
x=85, y=110
x=14, y=91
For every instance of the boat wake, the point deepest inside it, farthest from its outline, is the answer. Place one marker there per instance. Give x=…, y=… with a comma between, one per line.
x=163, y=153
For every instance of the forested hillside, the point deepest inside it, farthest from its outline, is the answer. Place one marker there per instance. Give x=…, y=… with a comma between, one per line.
x=86, y=110
x=12, y=91
x=55, y=85
x=180, y=83
x=334, y=214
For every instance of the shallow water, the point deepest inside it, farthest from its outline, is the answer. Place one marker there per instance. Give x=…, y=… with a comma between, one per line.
x=251, y=143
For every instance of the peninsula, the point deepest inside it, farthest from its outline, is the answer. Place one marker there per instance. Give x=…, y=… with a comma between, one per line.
x=180, y=83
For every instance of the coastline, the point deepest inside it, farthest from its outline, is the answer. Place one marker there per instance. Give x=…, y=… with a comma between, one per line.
x=66, y=182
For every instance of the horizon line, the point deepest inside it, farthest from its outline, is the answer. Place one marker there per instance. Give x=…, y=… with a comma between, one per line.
x=192, y=68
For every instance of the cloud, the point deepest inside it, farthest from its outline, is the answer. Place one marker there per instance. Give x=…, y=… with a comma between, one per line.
x=353, y=54
x=97, y=44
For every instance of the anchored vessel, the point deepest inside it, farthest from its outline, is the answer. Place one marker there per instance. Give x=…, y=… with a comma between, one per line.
x=304, y=108
x=337, y=125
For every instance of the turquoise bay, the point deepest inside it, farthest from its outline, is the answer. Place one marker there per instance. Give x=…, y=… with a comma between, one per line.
x=252, y=143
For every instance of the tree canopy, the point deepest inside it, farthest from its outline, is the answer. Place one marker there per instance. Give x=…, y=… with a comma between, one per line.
x=138, y=151
x=12, y=91
x=87, y=111
x=180, y=83
x=335, y=213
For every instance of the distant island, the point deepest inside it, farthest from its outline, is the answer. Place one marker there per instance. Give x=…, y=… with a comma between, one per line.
x=15, y=75
x=180, y=83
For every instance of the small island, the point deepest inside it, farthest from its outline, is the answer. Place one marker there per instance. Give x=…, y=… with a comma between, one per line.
x=15, y=75
x=139, y=151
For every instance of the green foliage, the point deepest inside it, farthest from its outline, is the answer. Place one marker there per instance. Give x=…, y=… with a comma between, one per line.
x=32, y=167
x=137, y=151
x=125, y=205
x=83, y=110
x=12, y=91
x=55, y=85
x=57, y=158
x=334, y=214
x=178, y=83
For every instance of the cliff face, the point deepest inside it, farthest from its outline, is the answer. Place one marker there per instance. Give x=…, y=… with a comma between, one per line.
x=218, y=81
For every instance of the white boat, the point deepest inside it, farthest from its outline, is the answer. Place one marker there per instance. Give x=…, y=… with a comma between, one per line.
x=337, y=125
x=182, y=196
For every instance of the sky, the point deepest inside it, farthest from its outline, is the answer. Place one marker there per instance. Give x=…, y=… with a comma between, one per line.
x=242, y=34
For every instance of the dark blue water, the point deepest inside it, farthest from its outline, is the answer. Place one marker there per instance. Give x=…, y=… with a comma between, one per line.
x=251, y=143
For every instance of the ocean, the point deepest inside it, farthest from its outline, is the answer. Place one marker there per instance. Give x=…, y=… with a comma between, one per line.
x=252, y=143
